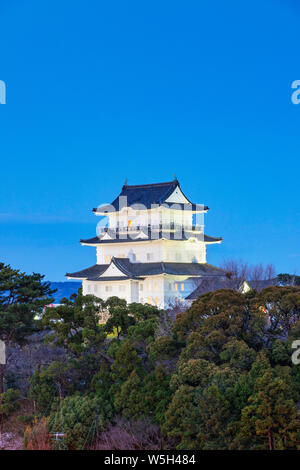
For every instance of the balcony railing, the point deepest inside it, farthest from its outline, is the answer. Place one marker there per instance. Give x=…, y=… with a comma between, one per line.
x=159, y=227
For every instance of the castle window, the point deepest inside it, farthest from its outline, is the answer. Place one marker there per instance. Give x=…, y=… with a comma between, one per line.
x=176, y=286
x=155, y=286
x=156, y=300
x=108, y=288
x=182, y=286
x=149, y=256
x=107, y=259
x=149, y=300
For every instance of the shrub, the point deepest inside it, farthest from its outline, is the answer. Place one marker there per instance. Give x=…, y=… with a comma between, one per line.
x=80, y=418
x=37, y=437
x=9, y=402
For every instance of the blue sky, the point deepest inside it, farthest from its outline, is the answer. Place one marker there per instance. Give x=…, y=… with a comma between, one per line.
x=100, y=91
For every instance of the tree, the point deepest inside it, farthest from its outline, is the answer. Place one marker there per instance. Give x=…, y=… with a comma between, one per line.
x=75, y=324
x=119, y=318
x=22, y=299
x=271, y=420
x=217, y=316
x=79, y=418
x=144, y=311
x=144, y=395
x=126, y=361
x=9, y=401
x=200, y=413
x=288, y=279
x=242, y=271
x=281, y=306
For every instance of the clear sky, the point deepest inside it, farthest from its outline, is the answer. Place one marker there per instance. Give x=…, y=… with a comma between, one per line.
x=98, y=91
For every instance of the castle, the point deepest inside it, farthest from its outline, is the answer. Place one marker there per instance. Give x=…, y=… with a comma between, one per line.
x=151, y=247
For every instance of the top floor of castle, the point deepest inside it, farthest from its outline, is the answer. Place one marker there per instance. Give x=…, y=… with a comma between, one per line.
x=156, y=206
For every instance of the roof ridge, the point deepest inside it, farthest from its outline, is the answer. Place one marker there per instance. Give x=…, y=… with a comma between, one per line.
x=150, y=185
x=118, y=263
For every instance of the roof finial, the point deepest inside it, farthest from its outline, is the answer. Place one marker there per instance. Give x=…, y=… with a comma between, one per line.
x=175, y=177
x=125, y=182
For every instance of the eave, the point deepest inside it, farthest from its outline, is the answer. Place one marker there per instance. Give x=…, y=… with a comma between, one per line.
x=95, y=241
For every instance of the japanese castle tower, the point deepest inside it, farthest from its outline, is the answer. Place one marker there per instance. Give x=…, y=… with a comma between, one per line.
x=151, y=249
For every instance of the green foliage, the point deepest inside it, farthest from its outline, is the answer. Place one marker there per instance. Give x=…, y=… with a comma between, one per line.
x=9, y=402
x=288, y=280
x=59, y=379
x=282, y=306
x=22, y=298
x=270, y=420
x=142, y=312
x=238, y=355
x=143, y=330
x=158, y=393
x=119, y=318
x=226, y=392
x=222, y=378
x=163, y=348
x=42, y=389
x=102, y=383
x=75, y=324
x=80, y=418
x=129, y=400
x=26, y=419
x=126, y=361
x=144, y=395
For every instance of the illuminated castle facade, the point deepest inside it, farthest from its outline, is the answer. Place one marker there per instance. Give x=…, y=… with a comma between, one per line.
x=151, y=248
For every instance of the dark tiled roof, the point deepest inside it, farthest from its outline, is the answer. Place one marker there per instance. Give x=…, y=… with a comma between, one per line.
x=95, y=270
x=116, y=278
x=147, y=195
x=261, y=284
x=161, y=234
x=212, y=284
x=135, y=270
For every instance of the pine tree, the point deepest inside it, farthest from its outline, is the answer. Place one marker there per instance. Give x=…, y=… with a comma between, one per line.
x=22, y=298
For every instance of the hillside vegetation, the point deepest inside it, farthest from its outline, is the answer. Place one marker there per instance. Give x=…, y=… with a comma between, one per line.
x=218, y=377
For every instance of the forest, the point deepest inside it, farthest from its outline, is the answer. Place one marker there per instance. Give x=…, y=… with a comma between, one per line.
x=218, y=376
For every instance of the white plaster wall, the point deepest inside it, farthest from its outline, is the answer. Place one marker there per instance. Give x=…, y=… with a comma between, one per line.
x=173, y=295
x=134, y=217
x=177, y=217
x=160, y=250
x=128, y=250
x=120, y=289
x=151, y=290
x=156, y=290
x=184, y=251
x=131, y=217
